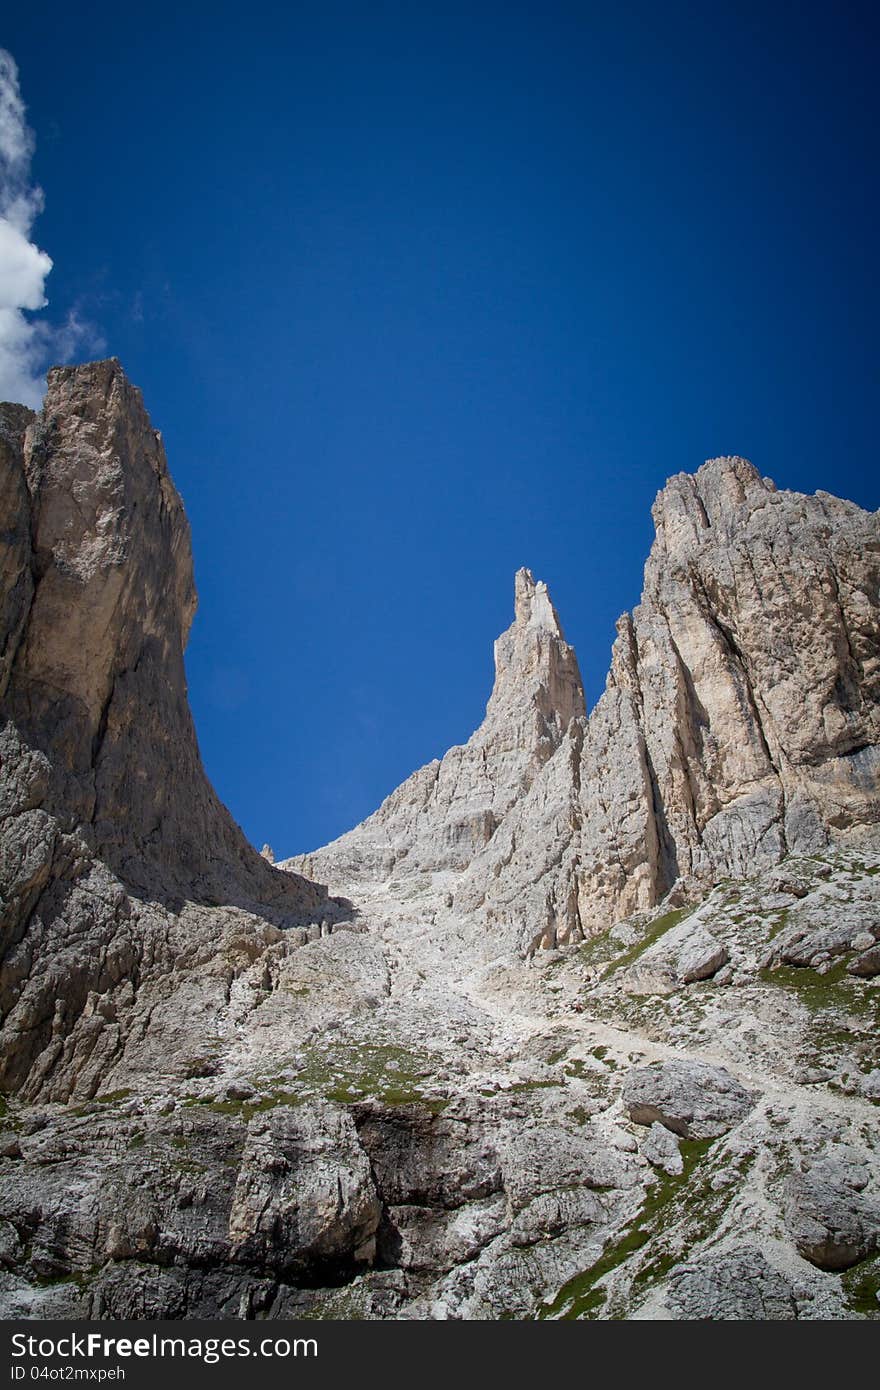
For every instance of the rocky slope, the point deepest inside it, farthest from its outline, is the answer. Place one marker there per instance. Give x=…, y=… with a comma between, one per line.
x=589, y=1026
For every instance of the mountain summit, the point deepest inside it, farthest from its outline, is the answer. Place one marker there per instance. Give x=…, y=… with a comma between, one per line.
x=447, y=811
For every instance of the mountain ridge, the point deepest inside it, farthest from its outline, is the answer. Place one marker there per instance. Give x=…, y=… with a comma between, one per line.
x=757, y=789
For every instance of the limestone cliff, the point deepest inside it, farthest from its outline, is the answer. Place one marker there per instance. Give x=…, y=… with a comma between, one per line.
x=106, y=817
x=739, y=723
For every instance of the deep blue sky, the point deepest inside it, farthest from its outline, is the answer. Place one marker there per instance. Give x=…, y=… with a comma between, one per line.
x=420, y=293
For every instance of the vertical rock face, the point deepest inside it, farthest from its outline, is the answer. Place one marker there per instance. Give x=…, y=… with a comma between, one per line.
x=98, y=595
x=739, y=723
x=107, y=821
x=16, y=582
x=447, y=811
x=766, y=602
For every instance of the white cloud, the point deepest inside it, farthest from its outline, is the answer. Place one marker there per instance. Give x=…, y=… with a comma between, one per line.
x=23, y=269
x=26, y=345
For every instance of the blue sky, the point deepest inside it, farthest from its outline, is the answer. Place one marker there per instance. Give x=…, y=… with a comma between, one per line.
x=418, y=294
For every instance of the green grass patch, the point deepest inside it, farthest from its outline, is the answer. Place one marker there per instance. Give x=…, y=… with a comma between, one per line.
x=833, y=990
x=56, y=1281
x=577, y=1068
x=659, y=927
x=8, y=1118
x=244, y=1109
x=861, y=1286
x=596, y=951
x=777, y=920
x=581, y=1297
x=386, y=1072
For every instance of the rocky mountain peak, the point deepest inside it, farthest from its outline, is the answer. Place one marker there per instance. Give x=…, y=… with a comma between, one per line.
x=739, y=722
x=447, y=811
x=532, y=604
x=714, y=497
x=538, y=686
x=119, y=867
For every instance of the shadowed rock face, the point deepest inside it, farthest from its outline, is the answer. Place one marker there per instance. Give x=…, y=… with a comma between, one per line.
x=105, y=810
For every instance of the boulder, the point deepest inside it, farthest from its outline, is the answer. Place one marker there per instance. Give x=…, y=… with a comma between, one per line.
x=660, y=1147
x=305, y=1197
x=692, y=1099
x=830, y=1221
x=867, y=965
x=687, y=953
